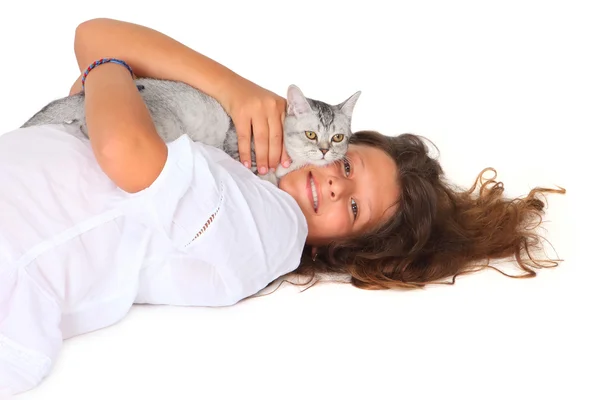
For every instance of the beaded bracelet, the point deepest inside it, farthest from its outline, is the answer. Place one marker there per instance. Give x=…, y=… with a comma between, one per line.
x=100, y=62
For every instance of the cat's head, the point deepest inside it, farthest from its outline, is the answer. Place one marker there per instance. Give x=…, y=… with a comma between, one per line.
x=317, y=132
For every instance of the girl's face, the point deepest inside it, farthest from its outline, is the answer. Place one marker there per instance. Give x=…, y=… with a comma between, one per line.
x=352, y=196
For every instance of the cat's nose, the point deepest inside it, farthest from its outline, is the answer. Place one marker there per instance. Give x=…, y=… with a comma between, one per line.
x=324, y=151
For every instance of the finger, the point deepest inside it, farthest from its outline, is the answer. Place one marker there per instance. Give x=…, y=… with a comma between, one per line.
x=275, y=142
x=285, y=158
x=260, y=130
x=244, y=136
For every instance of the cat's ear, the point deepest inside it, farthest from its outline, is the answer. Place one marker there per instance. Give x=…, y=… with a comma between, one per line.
x=296, y=102
x=347, y=107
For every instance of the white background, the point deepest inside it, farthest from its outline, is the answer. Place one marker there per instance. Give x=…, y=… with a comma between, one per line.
x=514, y=85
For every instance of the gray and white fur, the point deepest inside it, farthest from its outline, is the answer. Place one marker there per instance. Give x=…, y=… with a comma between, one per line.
x=311, y=128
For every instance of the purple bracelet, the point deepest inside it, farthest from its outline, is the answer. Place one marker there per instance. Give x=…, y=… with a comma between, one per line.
x=100, y=62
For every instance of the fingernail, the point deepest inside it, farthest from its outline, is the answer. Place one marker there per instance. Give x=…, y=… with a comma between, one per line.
x=286, y=163
x=271, y=170
x=247, y=164
x=262, y=170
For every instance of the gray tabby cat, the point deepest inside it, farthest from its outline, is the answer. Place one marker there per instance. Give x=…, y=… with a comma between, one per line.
x=314, y=132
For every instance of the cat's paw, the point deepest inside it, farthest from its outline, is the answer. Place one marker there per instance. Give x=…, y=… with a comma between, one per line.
x=281, y=170
x=270, y=177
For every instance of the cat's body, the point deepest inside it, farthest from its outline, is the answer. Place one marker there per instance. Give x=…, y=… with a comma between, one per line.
x=177, y=108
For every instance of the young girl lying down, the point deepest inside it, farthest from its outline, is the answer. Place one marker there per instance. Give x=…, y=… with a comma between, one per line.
x=91, y=225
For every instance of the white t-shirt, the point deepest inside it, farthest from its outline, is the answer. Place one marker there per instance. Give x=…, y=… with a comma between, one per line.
x=76, y=251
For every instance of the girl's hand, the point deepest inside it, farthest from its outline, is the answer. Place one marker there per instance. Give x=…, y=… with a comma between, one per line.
x=257, y=113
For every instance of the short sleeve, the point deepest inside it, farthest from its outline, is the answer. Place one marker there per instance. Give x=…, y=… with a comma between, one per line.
x=230, y=233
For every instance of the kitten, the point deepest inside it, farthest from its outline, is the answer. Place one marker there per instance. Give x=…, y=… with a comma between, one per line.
x=314, y=132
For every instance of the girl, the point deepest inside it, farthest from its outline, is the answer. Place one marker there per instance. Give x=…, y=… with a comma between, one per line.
x=88, y=228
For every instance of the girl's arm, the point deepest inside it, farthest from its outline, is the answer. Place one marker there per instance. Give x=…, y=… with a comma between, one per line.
x=122, y=133
x=151, y=54
x=254, y=110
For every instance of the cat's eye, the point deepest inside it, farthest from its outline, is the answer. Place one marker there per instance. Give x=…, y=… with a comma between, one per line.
x=311, y=135
x=337, y=138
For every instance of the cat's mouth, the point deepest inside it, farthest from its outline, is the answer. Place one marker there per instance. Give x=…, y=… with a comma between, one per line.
x=313, y=194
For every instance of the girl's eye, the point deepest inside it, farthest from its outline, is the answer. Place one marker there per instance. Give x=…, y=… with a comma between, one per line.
x=353, y=205
x=347, y=168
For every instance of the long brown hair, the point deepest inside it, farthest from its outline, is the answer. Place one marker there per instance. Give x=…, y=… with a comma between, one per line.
x=439, y=230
